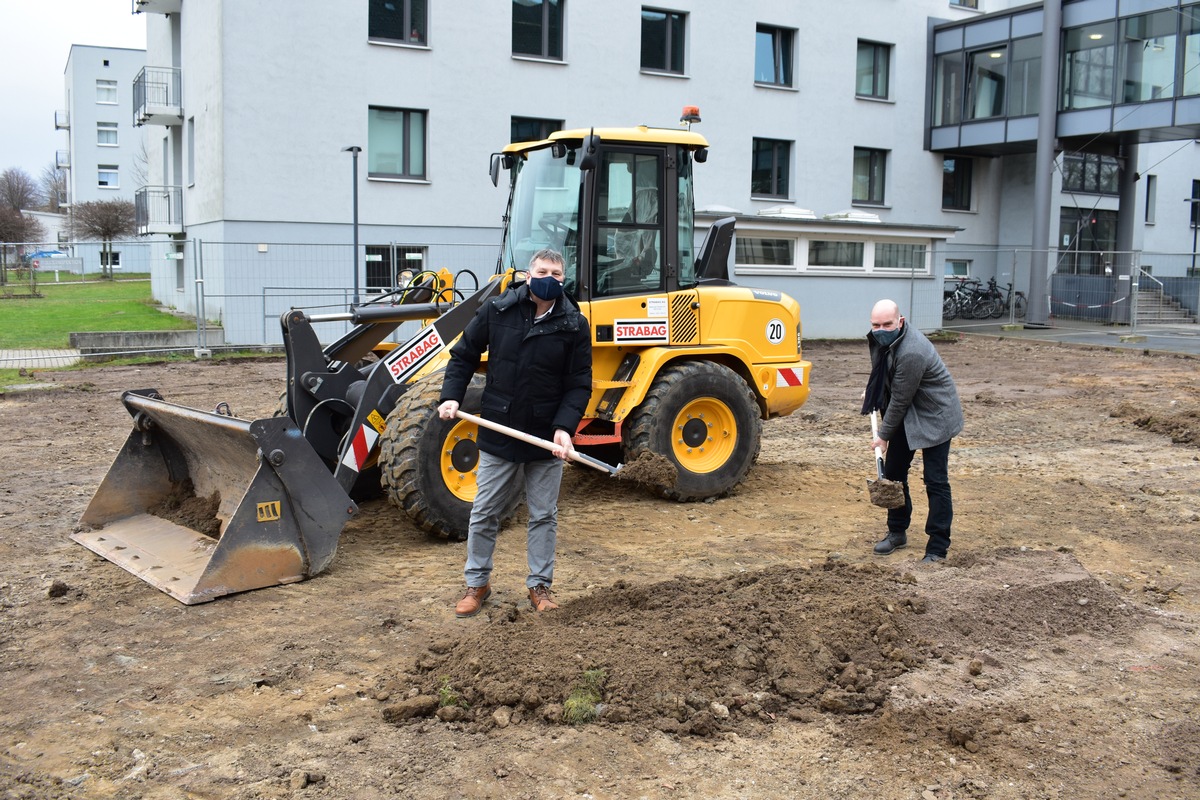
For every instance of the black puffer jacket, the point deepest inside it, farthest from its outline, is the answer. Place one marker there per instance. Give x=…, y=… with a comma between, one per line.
x=539, y=376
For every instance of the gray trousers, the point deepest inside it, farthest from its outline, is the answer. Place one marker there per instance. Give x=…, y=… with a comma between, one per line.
x=495, y=480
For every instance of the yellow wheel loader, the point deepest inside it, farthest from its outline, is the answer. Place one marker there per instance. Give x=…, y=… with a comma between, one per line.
x=686, y=366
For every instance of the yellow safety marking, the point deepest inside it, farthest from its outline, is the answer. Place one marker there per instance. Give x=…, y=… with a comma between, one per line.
x=269, y=512
x=377, y=421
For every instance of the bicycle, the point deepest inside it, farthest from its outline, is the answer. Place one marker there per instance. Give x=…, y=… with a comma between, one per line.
x=958, y=301
x=989, y=303
x=1015, y=304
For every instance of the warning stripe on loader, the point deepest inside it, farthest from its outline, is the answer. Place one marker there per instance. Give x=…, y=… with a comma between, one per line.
x=787, y=376
x=360, y=448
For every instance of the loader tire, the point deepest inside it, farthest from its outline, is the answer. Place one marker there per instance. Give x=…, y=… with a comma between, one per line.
x=429, y=464
x=705, y=420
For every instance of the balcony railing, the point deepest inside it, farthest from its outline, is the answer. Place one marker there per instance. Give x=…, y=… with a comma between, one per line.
x=156, y=97
x=62, y=159
x=158, y=209
x=62, y=120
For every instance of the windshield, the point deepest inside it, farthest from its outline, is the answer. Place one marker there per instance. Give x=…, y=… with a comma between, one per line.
x=545, y=212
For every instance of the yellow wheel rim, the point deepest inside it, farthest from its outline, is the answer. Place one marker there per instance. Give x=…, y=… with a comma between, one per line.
x=703, y=435
x=460, y=461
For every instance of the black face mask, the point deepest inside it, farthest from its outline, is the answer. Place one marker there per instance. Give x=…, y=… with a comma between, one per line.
x=546, y=288
x=886, y=338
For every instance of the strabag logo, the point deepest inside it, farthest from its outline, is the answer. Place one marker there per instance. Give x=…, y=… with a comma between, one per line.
x=402, y=362
x=641, y=331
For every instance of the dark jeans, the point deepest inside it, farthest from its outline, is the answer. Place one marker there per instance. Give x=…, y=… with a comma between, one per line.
x=937, y=489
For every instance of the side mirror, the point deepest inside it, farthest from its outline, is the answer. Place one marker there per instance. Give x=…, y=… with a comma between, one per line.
x=591, y=150
x=558, y=150
x=701, y=155
x=494, y=169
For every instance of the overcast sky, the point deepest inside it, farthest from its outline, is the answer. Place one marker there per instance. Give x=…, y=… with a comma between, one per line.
x=37, y=39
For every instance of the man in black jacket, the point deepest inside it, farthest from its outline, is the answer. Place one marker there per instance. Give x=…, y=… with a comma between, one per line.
x=539, y=381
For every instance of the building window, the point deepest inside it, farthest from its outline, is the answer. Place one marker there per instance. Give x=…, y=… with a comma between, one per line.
x=1148, y=58
x=662, y=40
x=397, y=21
x=948, y=89
x=110, y=259
x=537, y=28
x=107, y=177
x=900, y=257
x=392, y=267
x=773, y=56
x=395, y=143
x=985, y=82
x=533, y=129
x=870, y=171
x=958, y=269
x=965, y=3
x=871, y=77
x=191, y=151
x=106, y=92
x=770, y=168
x=1189, y=27
x=1090, y=172
x=1089, y=66
x=1195, y=204
x=1151, y=198
x=1025, y=75
x=825, y=253
x=754, y=251
x=106, y=134
x=956, y=183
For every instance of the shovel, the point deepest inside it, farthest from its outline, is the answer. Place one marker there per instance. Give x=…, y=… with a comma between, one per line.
x=572, y=454
x=884, y=493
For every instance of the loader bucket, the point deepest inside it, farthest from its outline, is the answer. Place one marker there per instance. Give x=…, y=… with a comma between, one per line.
x=271, y=507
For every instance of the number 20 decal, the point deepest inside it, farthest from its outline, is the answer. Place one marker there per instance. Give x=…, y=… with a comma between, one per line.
x=775, y=331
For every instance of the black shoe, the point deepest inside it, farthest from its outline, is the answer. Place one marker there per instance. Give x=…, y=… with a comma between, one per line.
x=890, y=543
x=930, y=558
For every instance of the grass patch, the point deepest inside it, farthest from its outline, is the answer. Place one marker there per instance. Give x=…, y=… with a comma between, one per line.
x=47, y=322
x=581, y=705
x=448, y=695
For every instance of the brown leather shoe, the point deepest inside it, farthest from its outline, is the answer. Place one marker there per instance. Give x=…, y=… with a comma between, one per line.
x=472, y=601
x=539, y=598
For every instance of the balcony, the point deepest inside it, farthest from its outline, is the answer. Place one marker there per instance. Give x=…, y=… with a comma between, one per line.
x=158, y=209
x=62, y=120
x=156, y=97
x=157, y=6
x=62, y=159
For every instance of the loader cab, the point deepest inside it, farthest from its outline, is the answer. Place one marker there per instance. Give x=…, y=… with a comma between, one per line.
x=618, y=204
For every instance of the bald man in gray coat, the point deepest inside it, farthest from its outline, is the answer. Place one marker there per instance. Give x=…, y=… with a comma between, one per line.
x=918, y=402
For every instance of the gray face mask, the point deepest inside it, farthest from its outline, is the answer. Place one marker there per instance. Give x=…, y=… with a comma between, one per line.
x=886, y=338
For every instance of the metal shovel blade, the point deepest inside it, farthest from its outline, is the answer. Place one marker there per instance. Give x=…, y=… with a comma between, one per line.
x=274, y=504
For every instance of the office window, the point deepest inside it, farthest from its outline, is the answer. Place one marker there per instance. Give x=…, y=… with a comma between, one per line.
x=1090, y=172
x=384, y=273
x=106, y=176
x=823, y=253
x=537, y=28
x=871, y=76
x=755, y=251
x=110, y=259
x=986, y=75
x=106, y=92
x=770, y=168
x=533, y=129
x=956, y=183
x=773, y=56
x=958, y=269
x=106, y=134
x=1148, y=57
x=870, y=168
x=397, y=21
x=395, y=143
x=1089, y=66
x=662, y=40
x=1024, y=76
x=965, y=3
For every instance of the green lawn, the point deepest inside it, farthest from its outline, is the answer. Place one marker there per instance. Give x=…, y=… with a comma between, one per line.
x=47, y=322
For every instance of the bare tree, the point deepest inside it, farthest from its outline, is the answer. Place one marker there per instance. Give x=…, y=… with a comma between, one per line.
x=54, y=188
x=105, y=220
x=140, y=168
x=16, y=228
x=18, y=191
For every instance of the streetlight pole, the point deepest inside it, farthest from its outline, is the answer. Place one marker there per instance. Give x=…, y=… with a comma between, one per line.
x=354, y=150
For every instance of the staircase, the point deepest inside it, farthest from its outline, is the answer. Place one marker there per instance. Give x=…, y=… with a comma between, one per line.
x=1156, y=308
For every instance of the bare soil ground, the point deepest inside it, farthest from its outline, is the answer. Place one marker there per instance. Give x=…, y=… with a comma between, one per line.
x=750, y=647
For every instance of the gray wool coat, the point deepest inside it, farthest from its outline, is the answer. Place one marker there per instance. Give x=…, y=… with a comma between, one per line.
x=921, y=392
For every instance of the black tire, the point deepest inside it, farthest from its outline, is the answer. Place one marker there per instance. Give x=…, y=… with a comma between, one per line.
x=429, y=464
x=949, y=308
x=1019, y=302
x=705, y=420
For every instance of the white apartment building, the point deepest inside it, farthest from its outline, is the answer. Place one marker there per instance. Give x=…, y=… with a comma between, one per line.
x=866, y=147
